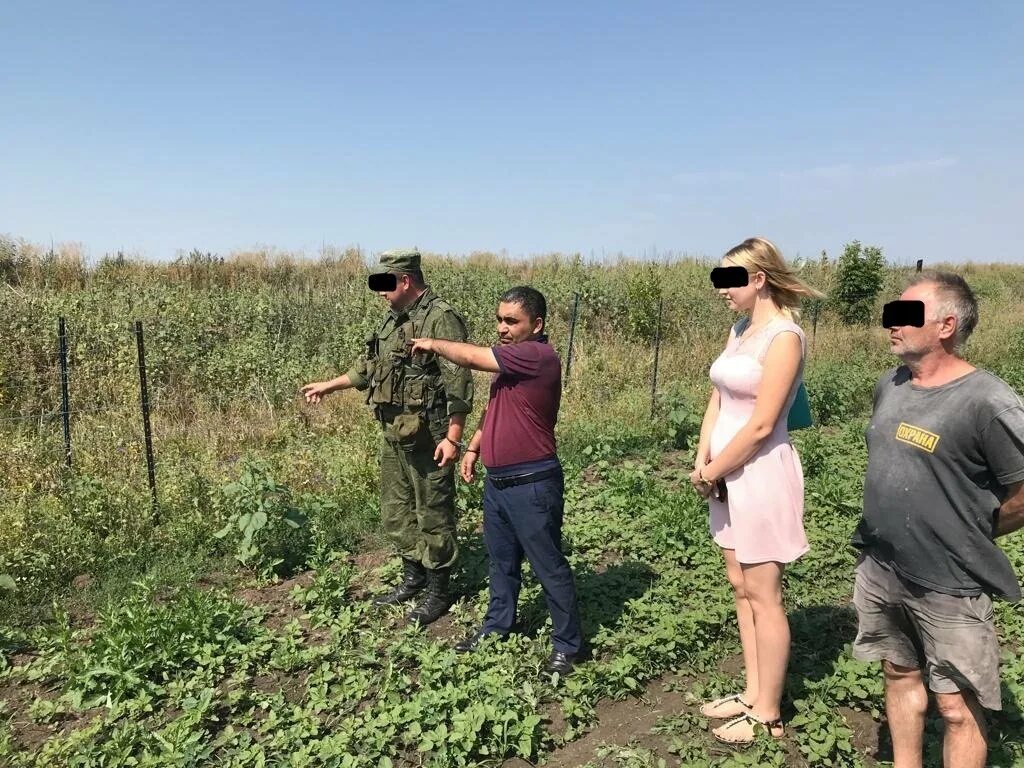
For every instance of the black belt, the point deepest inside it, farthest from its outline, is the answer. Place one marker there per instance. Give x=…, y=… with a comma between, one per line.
x=502, y=483
x=387, y=413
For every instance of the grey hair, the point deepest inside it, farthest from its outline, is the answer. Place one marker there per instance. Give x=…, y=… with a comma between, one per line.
x=955, y=298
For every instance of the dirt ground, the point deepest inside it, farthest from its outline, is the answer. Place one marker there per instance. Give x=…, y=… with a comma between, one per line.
x=644, y=723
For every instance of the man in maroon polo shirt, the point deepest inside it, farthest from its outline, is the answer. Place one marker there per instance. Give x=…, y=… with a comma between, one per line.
x=523, y=492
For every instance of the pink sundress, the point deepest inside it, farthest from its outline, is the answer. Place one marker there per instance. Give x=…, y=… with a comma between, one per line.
x=762, y=517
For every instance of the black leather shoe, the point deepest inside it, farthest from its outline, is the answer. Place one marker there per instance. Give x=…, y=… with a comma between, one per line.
x=414, y=579
x=436, y=603
x=559, y=662
x=473, y=639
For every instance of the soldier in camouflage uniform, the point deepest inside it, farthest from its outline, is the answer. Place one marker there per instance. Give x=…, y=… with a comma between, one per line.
x=421, y=402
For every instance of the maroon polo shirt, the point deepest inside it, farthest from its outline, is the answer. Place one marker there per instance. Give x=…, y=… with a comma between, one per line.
x=523, y=405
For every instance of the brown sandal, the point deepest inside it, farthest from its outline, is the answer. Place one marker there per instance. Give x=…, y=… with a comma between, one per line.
x=711, y=709
x=747, y=718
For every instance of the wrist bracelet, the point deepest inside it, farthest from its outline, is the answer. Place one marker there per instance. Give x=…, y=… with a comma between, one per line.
x=472, y=450
x=460, y=445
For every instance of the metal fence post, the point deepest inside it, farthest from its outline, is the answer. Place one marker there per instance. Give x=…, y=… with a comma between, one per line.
x=572, y=336
x=144, y=392
x=65, y=400
x=657, y=353
x=814, y=324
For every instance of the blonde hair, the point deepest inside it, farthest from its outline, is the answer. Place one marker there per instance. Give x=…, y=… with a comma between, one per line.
x=756, y=254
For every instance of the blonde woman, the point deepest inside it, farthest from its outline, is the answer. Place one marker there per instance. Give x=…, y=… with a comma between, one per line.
x=751, y=475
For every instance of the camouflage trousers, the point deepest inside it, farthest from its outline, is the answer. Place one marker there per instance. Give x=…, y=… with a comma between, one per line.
x=417, y=501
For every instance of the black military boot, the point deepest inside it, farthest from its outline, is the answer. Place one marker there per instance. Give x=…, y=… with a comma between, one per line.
x=435, y=604
x=414, y=580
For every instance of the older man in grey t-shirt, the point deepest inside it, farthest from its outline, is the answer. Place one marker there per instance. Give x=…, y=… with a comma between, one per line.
x=945, y=477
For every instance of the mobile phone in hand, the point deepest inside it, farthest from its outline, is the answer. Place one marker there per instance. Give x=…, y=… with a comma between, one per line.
x=720, y=493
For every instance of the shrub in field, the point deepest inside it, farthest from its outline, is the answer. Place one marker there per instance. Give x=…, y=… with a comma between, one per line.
x=840, y=390
x=860, y=273
x=680, y=420
x=270, y=530
x=86, y=527
x=596, y=290
x=1011, y=368
x=643, y=295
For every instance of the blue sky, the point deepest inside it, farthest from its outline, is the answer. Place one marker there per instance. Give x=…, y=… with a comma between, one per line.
x=592, y=127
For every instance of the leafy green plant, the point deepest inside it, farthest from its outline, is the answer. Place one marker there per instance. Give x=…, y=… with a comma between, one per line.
x=822, y=735
x=642, y=301
x=1011, y=367
x=141, y=643
x=859, y=275
x=329, y=590
x=682, y=420
x=270, y=530
x=855, y=684
x=840, y=391
x=629, y=757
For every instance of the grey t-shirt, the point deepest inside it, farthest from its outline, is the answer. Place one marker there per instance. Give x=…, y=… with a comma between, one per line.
x=939, y=461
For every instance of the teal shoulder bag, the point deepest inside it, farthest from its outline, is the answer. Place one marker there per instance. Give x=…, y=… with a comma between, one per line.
x=800, y=411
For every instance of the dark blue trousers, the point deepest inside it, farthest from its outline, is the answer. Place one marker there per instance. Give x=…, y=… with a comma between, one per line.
x=526, y=520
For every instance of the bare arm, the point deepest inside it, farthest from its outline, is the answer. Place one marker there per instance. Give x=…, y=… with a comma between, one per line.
x=1010, y=516
x=781, y=365
x=460, y=353
x=456, y=425
x=313, y=392
x=706, y=426
x=468, y=468
x=478, y=435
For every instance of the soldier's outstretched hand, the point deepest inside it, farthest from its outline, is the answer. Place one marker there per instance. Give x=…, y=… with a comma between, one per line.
x=314, y=392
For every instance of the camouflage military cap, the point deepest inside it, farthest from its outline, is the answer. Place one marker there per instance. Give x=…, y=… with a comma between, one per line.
x=400, y=260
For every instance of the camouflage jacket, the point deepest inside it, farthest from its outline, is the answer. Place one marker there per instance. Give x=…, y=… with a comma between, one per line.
x=423, y=383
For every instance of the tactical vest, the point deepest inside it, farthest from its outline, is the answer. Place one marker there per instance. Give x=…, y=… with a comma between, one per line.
x=401, y=382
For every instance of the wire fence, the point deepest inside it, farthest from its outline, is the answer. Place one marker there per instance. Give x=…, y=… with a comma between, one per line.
x=133, y=425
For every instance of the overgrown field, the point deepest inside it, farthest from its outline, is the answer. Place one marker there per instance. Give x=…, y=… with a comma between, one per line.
x=137, y=637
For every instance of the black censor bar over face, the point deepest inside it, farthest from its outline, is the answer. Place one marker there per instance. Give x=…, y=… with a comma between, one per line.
x=729, y=277
x=382, y=281
x=897, y=313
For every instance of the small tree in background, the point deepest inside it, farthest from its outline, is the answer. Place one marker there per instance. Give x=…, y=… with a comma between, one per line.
x=859, y=275
x=643, y=294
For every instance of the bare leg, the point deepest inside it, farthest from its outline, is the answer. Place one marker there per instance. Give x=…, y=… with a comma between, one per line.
x=966, y=742
x=745, y=621
x=763, y=587
x=906, y=703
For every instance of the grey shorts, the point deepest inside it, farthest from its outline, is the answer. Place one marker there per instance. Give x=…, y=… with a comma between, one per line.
x=953, y=639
